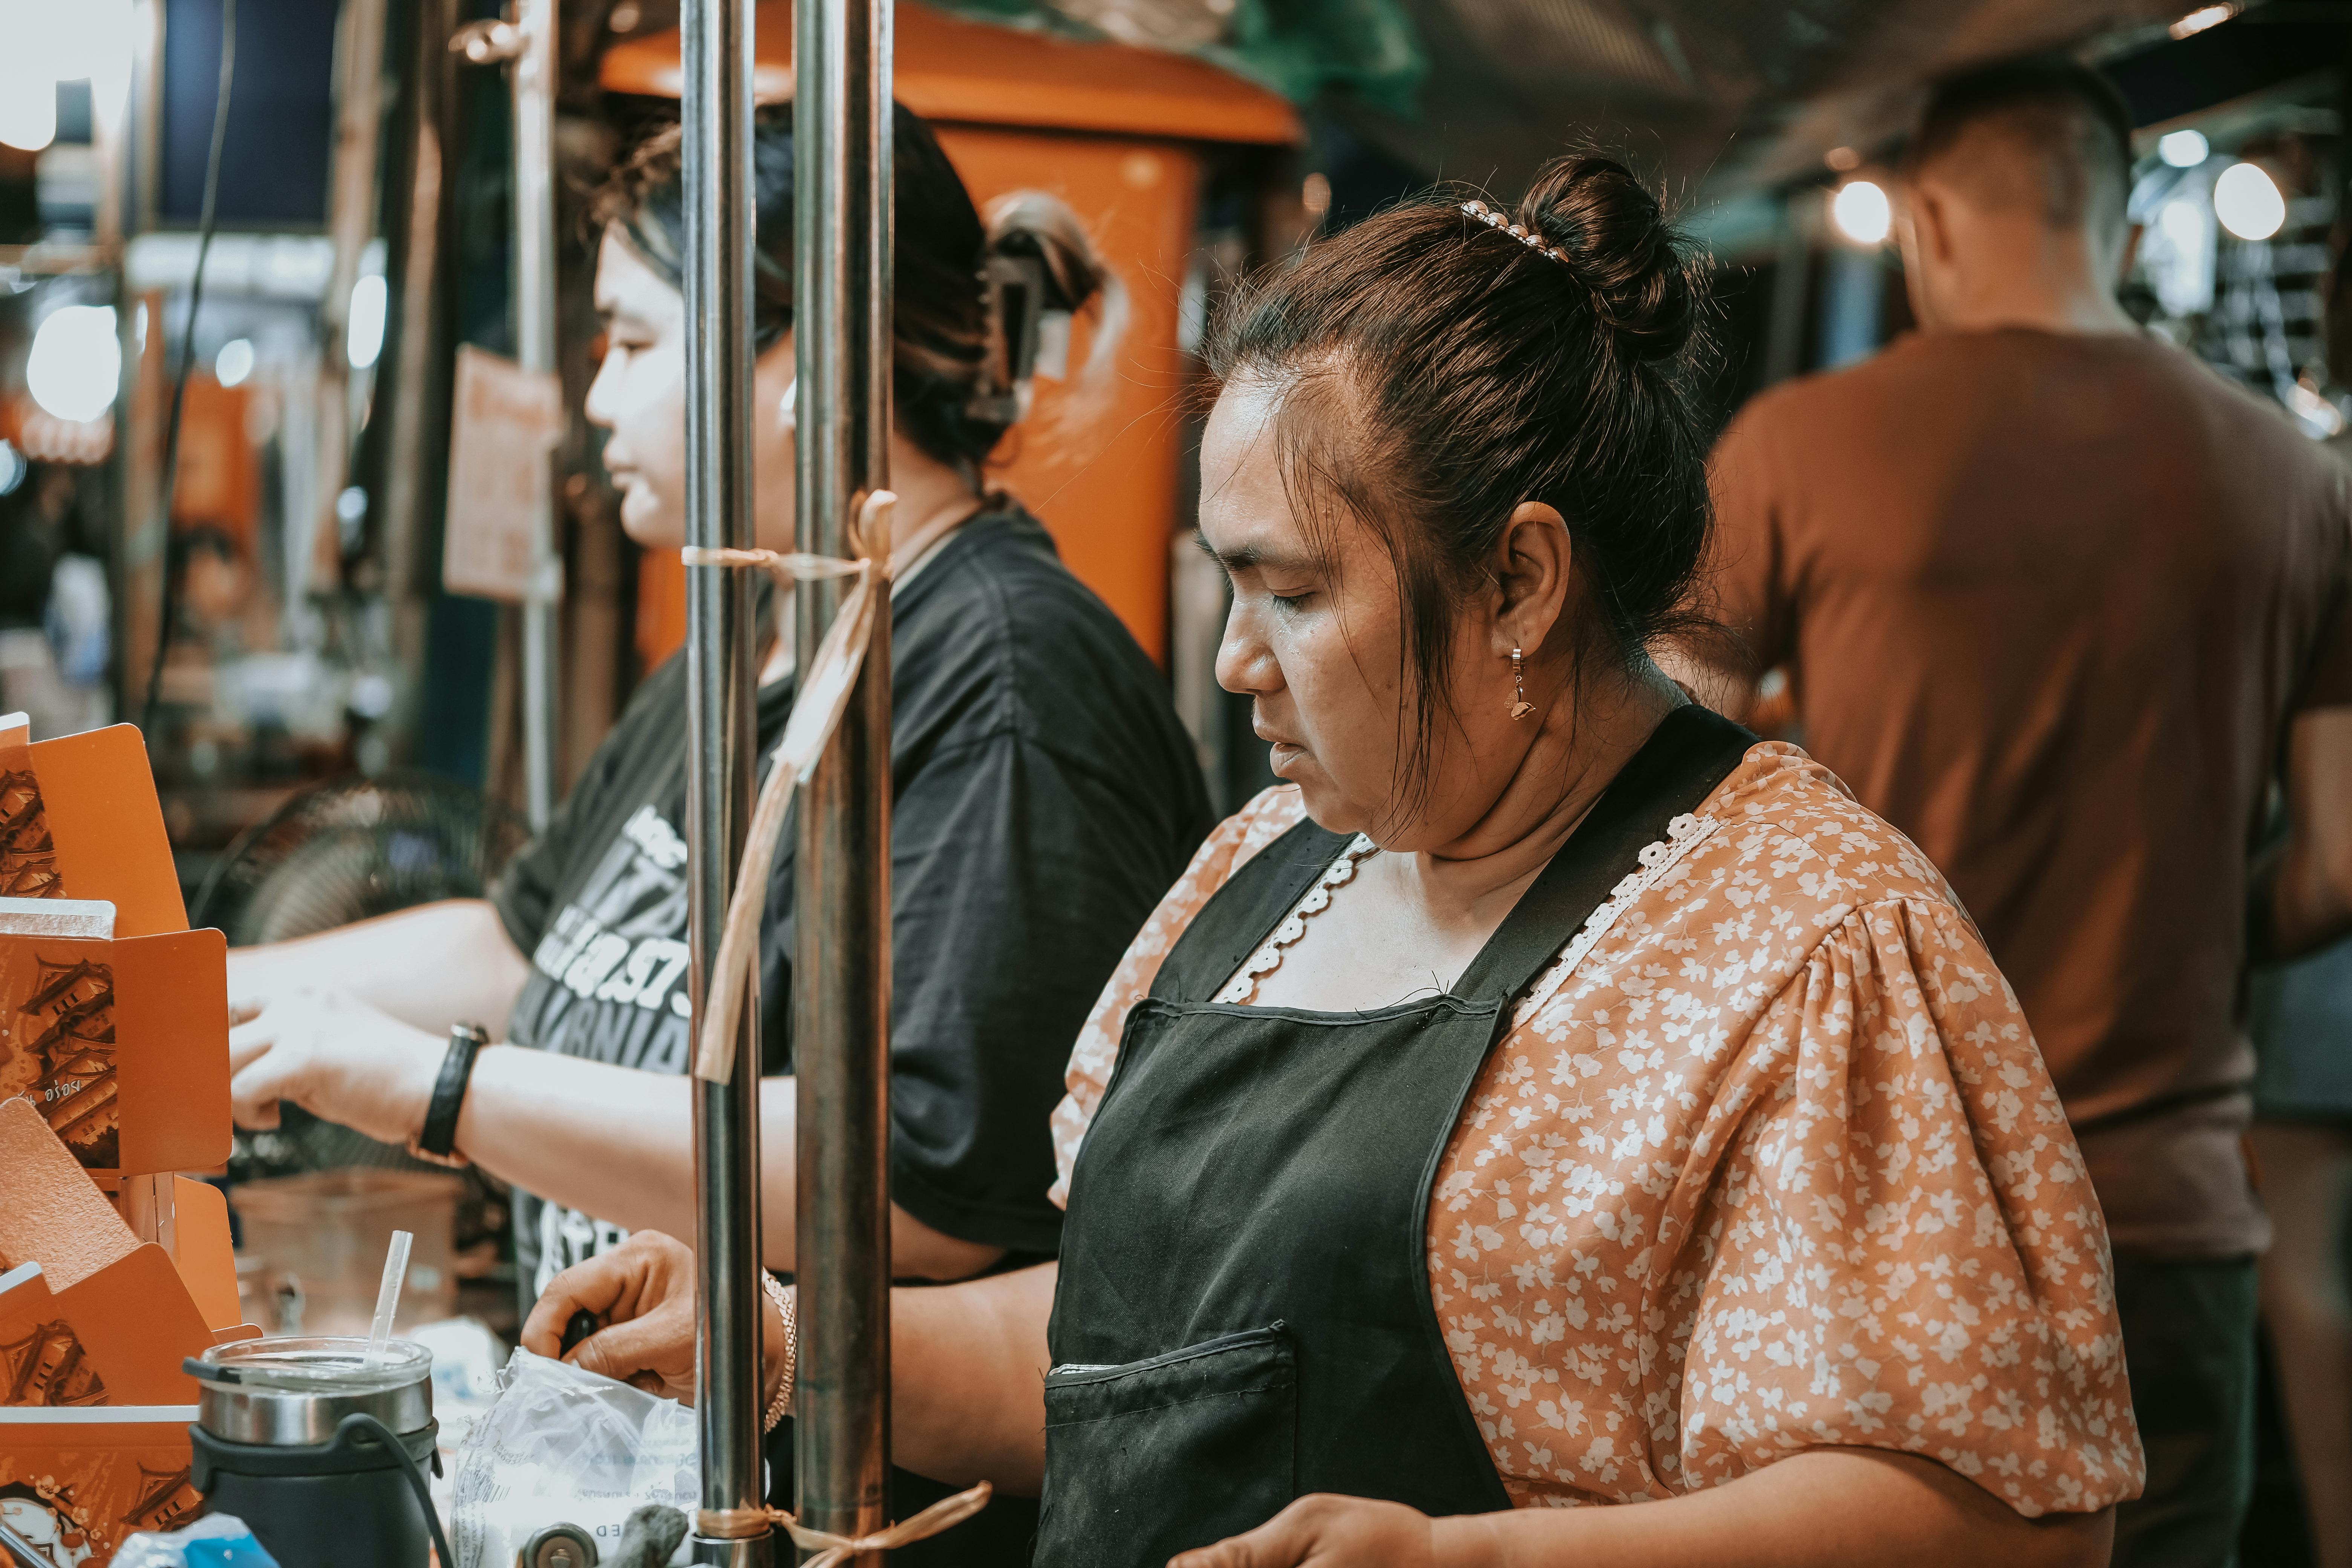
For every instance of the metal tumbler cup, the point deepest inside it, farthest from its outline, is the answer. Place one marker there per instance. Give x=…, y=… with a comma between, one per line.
x=290, y=1436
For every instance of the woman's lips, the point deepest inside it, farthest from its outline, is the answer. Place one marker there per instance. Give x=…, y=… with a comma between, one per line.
x=1281, y=750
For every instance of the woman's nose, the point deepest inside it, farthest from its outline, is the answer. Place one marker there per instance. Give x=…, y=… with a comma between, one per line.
x=1245, y=664
x=602, y=391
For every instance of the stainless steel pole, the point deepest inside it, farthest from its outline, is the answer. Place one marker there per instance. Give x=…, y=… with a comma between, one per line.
x=841, y=964
x=534, y=285
x=722, y=743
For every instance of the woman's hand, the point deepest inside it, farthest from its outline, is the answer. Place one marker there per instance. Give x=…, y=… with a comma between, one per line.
x=642, y=1292
x=334, y=1055
x=1325, y=1531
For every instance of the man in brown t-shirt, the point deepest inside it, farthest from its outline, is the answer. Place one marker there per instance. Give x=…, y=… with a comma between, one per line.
x=2052, y=596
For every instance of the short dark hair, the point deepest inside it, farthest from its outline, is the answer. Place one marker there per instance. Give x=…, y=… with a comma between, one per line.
x=944, y=386
x=2066, y=110
x=1437, y=372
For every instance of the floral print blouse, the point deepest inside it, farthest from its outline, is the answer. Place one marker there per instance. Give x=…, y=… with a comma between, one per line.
x=1768, y=1160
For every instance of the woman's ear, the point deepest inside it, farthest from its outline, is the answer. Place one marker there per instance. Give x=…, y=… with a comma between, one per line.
x=774, y=386
x=1531, y=566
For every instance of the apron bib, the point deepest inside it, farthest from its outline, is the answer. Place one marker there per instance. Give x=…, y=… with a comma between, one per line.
x=1244, y=1315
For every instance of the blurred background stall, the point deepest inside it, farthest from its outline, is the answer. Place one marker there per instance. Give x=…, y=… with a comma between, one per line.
x=365, y=218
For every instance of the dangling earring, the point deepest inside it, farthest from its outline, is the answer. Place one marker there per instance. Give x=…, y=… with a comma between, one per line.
x=1521, y=707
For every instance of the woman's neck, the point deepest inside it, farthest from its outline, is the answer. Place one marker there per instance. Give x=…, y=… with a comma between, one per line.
x=1581, y=745
x=933, y=501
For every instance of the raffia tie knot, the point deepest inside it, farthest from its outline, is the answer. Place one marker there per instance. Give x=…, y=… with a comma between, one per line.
x=728, y=1524
x=817, y=707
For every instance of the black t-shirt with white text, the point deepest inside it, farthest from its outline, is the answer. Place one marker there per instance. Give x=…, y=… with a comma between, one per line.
x=1045, y=796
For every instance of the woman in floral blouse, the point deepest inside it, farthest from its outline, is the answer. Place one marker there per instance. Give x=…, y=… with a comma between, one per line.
x=1555, y=1097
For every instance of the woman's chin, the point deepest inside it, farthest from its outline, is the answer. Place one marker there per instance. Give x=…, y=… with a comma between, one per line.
x=1327, y=805
x=650, y=525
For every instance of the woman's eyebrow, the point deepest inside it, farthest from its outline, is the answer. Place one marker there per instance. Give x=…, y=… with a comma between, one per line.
x=1251, y=556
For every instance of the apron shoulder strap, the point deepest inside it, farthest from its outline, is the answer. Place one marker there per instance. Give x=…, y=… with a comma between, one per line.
x=1693, y=750
x=1240, y=916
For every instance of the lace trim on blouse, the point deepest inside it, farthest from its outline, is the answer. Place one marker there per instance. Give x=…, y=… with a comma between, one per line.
x=1684, y=833
x=1243, y=986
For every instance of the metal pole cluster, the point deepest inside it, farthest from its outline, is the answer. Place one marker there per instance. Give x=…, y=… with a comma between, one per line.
x=721, y=743
x=841, y=993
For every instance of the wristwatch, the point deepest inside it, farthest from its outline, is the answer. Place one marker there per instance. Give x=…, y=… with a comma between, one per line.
x=437, y=1142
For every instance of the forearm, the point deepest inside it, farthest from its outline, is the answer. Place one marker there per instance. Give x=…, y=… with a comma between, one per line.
x=2303, y=893
x=2304, y=916
x=429, y=966
x=1822, y=1508
x=968, y=1367
x=618, y=1143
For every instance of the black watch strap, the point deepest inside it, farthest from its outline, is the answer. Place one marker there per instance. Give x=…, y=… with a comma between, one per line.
x=439, y=1140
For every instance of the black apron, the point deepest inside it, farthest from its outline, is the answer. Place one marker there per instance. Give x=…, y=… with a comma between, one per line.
x=1244, y=1315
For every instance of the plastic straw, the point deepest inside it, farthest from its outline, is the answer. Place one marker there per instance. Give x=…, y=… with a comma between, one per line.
x=387, y=1296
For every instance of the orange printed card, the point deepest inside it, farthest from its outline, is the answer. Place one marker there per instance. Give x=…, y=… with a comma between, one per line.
x=121, y=1046
x=78, y=819
x=116, y=1337
x=90, y=1314
x=77, y=1484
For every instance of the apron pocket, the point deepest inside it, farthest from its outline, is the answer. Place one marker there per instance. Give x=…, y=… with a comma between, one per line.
x=1154, y=1458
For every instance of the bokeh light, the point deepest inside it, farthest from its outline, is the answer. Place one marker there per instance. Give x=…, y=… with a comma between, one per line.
x=2248, y=202
x=1862, y=212
x=234, y=362
x=2183, y=149
x=75, y=364
x=363, y=339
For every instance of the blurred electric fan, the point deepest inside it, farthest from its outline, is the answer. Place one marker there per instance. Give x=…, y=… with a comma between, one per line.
x=357, y=848
x=348, y=851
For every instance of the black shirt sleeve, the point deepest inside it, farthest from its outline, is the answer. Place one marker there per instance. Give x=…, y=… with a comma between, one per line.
x=526, y=892
x=1018, y=878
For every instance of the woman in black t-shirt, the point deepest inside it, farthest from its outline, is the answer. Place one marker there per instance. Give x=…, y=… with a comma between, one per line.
x=1045, y=796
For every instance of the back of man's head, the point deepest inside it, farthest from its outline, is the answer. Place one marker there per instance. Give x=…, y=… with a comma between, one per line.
x=2041, y=135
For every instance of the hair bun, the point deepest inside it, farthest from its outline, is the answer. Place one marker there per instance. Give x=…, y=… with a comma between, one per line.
x=1621, y=248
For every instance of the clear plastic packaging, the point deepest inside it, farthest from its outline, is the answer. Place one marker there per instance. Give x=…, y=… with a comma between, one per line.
x=565, y=1446
x=217, y=1540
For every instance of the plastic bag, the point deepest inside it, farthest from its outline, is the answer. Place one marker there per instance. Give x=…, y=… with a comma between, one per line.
x=217, y=1540
x=565, y=1446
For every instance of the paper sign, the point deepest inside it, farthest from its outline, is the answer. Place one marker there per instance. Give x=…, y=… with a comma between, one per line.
x=505, y=425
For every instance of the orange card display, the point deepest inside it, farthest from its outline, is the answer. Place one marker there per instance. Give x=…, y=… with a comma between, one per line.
x=202, y=1250
x=89, y=1313
x=52, y=1214
x=121, y=1046
x=77, y=1484
x=115, y=1338
x=78, y=819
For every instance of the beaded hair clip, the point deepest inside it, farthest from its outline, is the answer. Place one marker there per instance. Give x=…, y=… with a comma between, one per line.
x=1494, y=219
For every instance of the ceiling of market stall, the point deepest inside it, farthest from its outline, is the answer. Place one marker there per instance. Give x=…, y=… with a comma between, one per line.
x=1719, y=95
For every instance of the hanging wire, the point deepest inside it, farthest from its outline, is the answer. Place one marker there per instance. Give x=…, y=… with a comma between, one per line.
x=204, y=225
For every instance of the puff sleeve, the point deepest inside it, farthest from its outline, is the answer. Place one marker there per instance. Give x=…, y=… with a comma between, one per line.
x=1900, y=1247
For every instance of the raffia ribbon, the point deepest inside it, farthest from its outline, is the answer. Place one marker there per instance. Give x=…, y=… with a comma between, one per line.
x=833, y=1550
x=817, y=708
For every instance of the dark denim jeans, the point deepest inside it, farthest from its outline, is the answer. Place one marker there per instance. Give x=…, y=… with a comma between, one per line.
x=2188, y=1340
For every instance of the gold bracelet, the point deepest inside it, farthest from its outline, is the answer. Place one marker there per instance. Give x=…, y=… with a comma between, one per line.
x=787, y=1311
